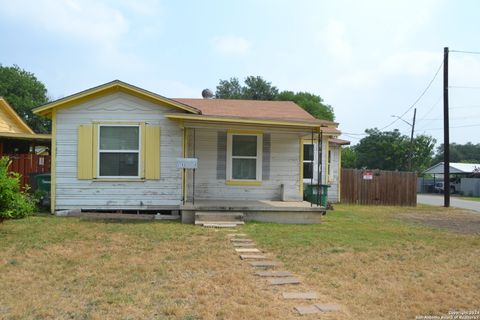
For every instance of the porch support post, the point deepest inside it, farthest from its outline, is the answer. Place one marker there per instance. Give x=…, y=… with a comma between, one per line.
x=319, y=162
x=193, y=178
x=313, y=163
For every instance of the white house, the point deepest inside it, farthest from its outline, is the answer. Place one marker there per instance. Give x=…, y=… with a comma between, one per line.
x=115, y=147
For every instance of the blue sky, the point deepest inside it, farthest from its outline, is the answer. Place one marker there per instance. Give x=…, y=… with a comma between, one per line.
x=368, y=59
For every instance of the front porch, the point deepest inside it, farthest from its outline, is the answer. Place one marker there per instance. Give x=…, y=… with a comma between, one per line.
x=296, y=212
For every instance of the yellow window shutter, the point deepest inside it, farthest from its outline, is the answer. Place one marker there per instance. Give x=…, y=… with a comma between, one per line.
x=151, y=151
x=85, y=152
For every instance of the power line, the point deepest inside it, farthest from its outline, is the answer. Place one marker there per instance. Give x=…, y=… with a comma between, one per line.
x=418, y=99
x=465, y=126
x=463, y=51
x=464, y=87
x=355, y=134
x=466, y=107
x=431, y=108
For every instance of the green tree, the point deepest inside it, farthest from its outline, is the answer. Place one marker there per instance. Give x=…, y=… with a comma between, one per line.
x=311, y=103
x=229, y=89
x=390, y=150
x=468, y=152
x=23, y=91
x=349, y=157
x=256, y=88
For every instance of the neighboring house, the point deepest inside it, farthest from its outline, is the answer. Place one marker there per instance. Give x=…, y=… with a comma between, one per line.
x=116, y=145
x=16, y=137
x=22, y=145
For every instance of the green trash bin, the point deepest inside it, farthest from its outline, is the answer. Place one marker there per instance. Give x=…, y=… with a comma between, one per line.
x=43, y=182
x=311, y=192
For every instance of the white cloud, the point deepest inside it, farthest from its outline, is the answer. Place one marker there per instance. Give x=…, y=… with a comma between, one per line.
x=231, y=45
x=334, y=39
x=82, y=20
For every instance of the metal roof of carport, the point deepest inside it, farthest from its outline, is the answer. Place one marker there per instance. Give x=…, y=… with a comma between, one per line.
x=455, y=167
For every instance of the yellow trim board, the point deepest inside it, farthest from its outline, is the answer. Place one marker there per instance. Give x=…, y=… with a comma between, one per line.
x=234, y=131
x=53, y=163
x=243, y=183
x=243, y=120
x=108, y=88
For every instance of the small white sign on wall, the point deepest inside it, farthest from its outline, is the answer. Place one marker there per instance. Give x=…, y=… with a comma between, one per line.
x=187, y=163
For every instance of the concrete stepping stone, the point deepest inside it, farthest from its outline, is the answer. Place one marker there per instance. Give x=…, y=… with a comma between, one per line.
x=302, y=310
x=247, y=250
x=240, y=240
x=244, y=245
x=328, y=307
x=263, y=264
x=282, y=281
x=233, y=235
x=252, y=256
x=273, y=274
x=300, y=295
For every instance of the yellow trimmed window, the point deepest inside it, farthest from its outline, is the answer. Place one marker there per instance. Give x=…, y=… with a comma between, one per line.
x=244, y=157
x=119, y=151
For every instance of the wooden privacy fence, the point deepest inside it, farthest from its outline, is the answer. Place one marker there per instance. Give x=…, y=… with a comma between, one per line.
x=25, y=164
x=378, y=187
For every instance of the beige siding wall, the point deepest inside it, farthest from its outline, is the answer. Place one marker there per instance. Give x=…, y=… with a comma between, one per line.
x=90, y=194
x=284, y=168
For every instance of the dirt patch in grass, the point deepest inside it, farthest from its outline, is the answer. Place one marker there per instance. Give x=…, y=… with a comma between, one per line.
x=454, y=220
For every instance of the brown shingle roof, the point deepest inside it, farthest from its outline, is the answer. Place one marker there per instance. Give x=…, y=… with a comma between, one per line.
x=285, y=110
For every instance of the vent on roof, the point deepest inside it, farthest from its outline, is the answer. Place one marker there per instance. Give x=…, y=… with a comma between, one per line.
x=207, y=94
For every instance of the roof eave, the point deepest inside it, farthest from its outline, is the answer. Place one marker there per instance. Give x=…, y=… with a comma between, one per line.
x=104, y=89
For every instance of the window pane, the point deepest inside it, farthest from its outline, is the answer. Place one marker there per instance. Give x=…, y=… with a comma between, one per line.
x=244, y=169
x=119, y=164
x=118, y=138
x=244, y=145
x=308, y=152
x=307, y=170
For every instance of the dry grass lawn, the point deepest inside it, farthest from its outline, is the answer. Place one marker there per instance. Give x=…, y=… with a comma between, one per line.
x=380, y=263
x=385, y=262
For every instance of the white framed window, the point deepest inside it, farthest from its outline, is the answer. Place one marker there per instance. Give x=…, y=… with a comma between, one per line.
x=118, y=151
x=310, y=168
x=244, y=157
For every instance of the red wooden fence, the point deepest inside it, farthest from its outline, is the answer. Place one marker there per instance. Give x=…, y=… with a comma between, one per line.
x=25, y=164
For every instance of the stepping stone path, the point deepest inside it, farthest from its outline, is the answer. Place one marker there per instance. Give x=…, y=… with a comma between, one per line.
x=317, y=308
x=284, y=280
x=243, y=245
x=302, y=310
x=264, y=264
x=300, y=295
x=273, y=274
x=328, y=307
x=252, y=256
x=245, y=248
x=237, y=240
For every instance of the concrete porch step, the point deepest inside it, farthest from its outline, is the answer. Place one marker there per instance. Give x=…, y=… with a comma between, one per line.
x=218, y=216
x=233, y=223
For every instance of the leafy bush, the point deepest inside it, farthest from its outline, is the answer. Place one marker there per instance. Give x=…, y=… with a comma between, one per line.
x=14, y=204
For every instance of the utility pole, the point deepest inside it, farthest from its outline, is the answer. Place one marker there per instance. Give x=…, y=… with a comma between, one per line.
x=411, y=138
x=446, y=134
